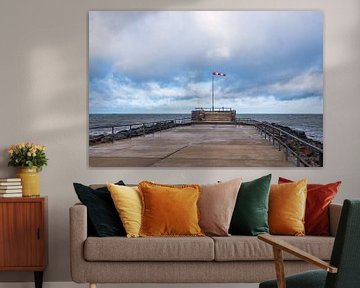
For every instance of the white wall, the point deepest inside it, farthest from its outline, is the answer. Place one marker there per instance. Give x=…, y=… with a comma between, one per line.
x=43, y=90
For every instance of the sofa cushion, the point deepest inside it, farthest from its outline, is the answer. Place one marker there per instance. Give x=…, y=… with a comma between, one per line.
x=244, y=248
x=149, y=249
x=127, y=201
x=250, y=215
x=102, y=215
x=169, y=210
x=287, y=204
x=318, y=199
x=216, y=206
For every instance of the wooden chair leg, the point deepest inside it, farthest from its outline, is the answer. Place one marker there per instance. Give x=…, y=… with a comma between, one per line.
x=92, y=285
x=279, y=268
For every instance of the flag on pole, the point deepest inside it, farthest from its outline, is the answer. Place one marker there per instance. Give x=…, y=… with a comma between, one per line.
x=218, y=74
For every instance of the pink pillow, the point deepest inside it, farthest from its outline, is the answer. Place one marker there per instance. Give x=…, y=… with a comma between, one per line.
x=216, y=205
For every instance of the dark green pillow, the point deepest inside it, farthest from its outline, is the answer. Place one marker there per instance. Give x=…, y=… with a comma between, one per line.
x=250, y=216
x=103, y=218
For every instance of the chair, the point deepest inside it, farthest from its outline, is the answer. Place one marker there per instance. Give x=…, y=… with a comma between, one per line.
x=344, y=268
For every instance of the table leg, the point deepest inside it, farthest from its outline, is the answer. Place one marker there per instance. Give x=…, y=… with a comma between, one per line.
x=38, y=279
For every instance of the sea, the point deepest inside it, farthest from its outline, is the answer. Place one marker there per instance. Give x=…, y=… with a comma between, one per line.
x=311, y=124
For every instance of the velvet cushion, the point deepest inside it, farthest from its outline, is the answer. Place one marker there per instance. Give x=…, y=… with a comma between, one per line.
x=319, y=197
x=250, y=215
x=127, y=201
x=101, y=211
x=169, y=210
x=216, y=206
x=310, y=279
x=287, y=204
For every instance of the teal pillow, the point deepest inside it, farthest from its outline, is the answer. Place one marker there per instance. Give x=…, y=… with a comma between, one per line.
x=250, y=216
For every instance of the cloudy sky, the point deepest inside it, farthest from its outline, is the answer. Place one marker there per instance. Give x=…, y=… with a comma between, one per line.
x=161, y=62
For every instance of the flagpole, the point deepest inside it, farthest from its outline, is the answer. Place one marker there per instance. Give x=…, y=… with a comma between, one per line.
x=213, y=97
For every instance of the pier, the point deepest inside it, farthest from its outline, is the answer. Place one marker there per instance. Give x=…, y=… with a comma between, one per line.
x=211, y=145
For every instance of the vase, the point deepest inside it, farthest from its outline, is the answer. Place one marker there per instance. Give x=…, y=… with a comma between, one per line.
x=30, y=181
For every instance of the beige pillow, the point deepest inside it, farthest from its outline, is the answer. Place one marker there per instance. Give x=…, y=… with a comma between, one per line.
x=216, y=206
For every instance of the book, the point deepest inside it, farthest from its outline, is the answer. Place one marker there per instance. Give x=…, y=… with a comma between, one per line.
x=4, y=195
x=10, y=183
x=10, y=187
x=10, y=180
x=3, y=191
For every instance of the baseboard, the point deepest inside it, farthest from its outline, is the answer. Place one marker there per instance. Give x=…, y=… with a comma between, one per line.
x=74, y=285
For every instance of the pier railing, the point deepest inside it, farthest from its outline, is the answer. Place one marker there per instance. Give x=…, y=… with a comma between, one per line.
x=216, y=109
x=111, y=133
x=304, y=153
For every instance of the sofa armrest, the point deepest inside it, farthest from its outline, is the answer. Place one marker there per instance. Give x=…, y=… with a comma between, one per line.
x=78, y=235
x=334, y=217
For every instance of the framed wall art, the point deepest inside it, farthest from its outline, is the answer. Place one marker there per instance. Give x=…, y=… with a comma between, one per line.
x=205, y=88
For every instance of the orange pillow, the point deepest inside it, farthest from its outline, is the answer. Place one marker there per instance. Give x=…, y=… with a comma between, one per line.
x=287, y=204
x=319, y=197
x=169, y=210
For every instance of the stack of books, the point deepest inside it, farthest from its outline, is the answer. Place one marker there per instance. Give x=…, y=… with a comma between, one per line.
x=10, y=187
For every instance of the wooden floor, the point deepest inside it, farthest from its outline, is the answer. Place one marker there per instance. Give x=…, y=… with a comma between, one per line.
x=191, y=146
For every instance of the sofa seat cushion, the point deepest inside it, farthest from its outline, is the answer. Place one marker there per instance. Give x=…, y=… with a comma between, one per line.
x=243, y=248
x=149, y=249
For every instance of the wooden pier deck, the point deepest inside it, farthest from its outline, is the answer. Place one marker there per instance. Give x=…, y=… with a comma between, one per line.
x=191, y=146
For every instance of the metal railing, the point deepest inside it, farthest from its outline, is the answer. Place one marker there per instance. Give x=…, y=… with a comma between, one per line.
x=216, y=109
x=111, y=133
x=304, y=153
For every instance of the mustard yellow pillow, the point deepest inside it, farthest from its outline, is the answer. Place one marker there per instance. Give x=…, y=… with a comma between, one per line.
x=287, y=204
x=169, y=210
x=127, y=201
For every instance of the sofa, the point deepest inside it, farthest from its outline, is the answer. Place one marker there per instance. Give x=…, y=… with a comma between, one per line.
x=233, y=259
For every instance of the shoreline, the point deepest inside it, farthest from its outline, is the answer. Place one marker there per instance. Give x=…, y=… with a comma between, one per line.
x=304, y=150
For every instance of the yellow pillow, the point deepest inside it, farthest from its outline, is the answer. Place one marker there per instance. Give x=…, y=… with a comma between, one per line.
x=127, y=201
x=169, y=210
x=287, y=204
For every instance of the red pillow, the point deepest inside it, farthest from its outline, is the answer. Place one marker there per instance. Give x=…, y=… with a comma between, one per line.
x=319, y=197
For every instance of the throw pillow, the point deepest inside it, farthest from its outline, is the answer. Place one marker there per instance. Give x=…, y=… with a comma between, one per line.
x=216, y=206
x=102, y=215
x=319, y=197
x=169, y=210
x=287, y=208
x=127, y=201
x=250, y=215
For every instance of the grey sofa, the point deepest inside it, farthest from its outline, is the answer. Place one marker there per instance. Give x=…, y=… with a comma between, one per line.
x=234, y=259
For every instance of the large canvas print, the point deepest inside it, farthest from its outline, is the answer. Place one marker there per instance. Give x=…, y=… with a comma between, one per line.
x=205, y=88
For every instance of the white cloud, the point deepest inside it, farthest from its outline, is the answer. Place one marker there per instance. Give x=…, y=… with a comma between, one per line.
x=307, y=82
x=162, y=61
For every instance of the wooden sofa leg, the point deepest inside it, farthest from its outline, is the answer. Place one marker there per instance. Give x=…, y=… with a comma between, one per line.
x=92, y=285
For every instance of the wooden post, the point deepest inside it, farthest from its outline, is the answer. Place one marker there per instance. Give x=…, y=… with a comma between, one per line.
x=92, y=285
x=279, y=268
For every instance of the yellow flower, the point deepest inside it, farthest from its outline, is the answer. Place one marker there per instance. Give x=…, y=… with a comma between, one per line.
x=11, y=151
x=28, y=154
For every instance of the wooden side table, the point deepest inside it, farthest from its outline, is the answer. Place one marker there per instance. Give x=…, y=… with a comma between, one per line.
x=23, y=235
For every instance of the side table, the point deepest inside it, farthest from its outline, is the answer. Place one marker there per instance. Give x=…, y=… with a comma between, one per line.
x=23, y=235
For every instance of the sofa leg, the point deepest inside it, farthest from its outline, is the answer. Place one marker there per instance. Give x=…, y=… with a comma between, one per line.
x=92, y=285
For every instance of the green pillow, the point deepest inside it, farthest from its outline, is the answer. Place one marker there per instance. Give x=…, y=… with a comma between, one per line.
x=250, y=216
